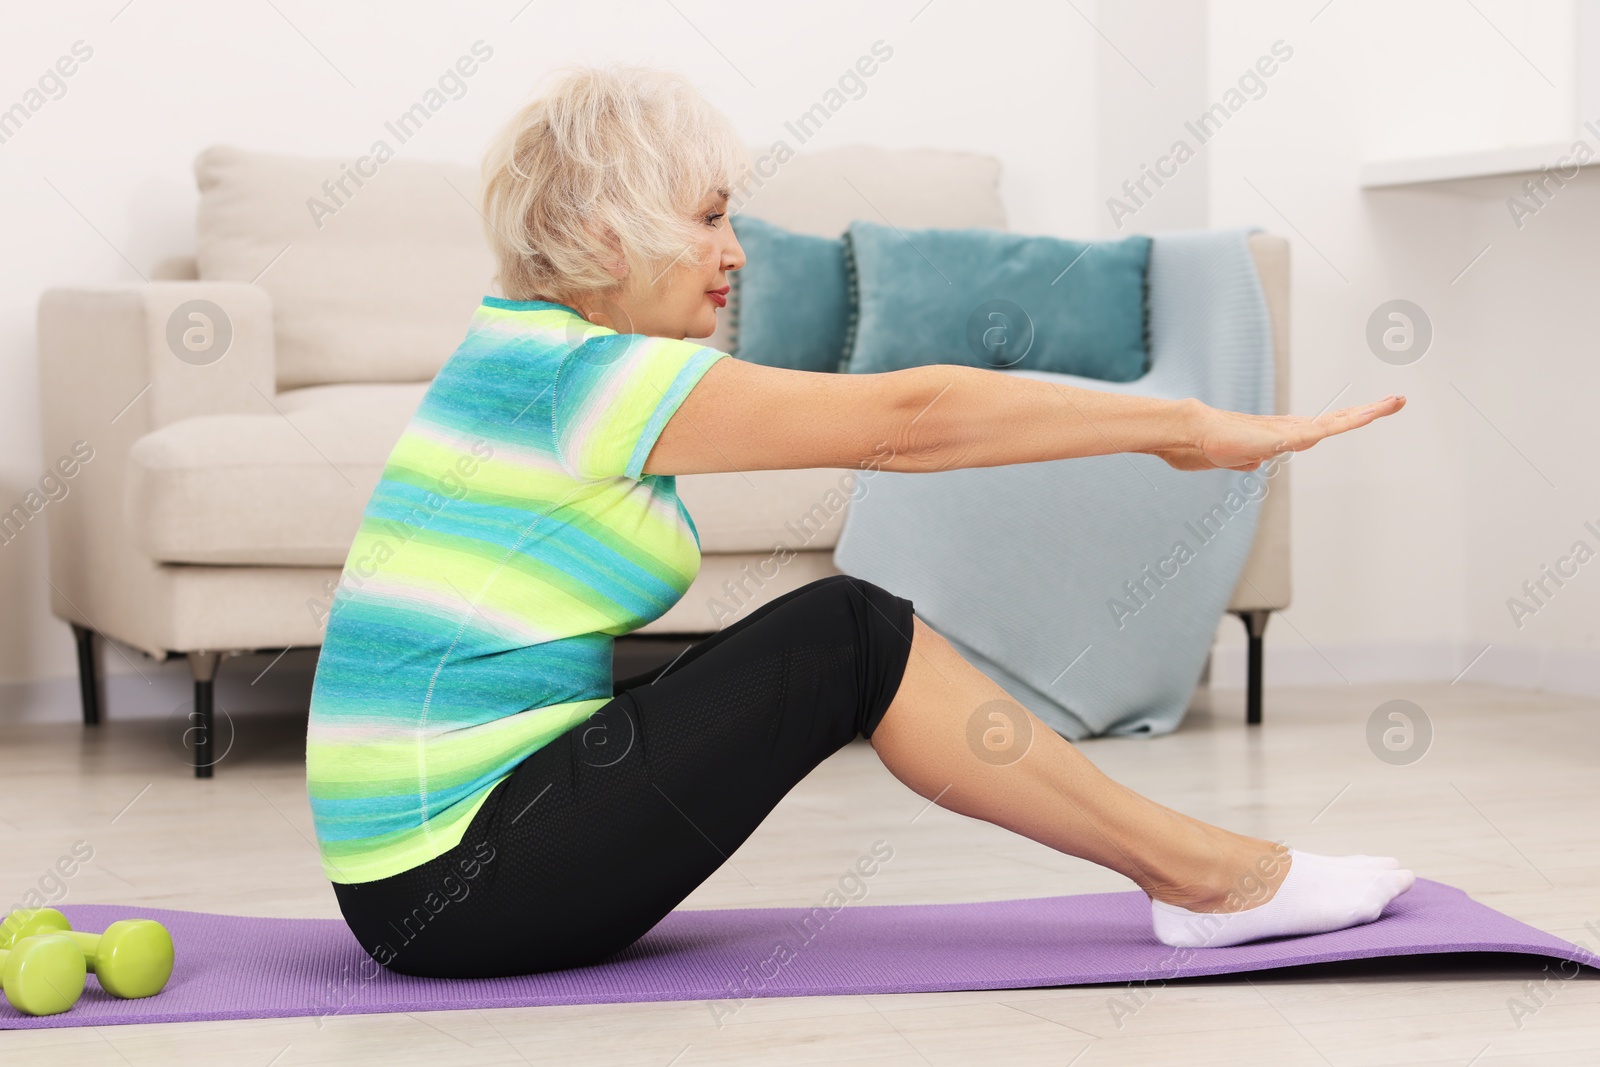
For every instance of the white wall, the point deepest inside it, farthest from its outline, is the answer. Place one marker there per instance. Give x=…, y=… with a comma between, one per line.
x=1152, y=78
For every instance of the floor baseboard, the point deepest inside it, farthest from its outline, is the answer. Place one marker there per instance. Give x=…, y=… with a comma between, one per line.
x=1556, y=670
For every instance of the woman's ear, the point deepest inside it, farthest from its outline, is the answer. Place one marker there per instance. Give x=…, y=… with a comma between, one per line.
x=616, y=263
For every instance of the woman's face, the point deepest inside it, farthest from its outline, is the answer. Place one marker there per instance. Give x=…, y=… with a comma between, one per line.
x=683, y=298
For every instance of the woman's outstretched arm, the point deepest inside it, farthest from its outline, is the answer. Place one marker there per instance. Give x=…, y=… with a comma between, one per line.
x=744, y=416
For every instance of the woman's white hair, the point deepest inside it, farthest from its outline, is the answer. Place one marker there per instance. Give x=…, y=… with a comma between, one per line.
x=599, y=178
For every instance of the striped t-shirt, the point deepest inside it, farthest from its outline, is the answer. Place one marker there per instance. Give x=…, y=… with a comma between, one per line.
x=512, y=536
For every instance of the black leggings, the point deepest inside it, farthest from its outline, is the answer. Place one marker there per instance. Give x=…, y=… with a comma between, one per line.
x=595, y=837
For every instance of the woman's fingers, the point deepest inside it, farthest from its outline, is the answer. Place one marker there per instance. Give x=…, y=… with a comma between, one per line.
x=1243, y=442
x=1345, y=419
x=1352, y=417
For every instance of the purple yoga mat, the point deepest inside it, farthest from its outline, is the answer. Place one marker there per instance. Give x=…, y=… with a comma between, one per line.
x=231, y=967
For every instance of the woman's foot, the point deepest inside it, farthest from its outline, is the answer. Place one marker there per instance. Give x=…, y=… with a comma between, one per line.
x=1278, y=893
x=1209, y=869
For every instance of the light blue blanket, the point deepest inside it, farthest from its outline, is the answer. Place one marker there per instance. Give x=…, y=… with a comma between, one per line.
x=1091, y=588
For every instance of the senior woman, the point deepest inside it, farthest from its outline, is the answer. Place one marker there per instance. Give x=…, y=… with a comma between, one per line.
x=487, y=800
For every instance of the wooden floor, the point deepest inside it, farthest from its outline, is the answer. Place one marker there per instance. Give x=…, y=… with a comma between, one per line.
x=1506, y=805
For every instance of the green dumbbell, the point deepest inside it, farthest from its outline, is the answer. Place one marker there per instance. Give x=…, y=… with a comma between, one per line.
x=42, y=974
x=132, y=959
x=28, y=922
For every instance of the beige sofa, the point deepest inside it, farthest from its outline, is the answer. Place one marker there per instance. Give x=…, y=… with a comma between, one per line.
x=241, y=407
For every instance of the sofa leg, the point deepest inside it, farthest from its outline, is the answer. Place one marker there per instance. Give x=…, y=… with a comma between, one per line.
x=203, y=665
x=88, y=674
x=1255, y=624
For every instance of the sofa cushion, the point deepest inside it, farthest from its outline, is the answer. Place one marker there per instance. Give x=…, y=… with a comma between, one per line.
x=793, y=297
x=287, y=486
x=374, y=286
x=284, y=487
x=756, y=511
x=986, y=298
x=821, y=193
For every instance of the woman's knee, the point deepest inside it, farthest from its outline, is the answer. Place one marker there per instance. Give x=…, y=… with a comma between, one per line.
x=885, y=628
x=850, y=585
x=886, y=608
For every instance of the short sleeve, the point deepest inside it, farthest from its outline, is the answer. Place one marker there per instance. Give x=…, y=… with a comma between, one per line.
x=613, y=396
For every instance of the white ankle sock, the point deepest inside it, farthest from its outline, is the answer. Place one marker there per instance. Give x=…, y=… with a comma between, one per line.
x=1388, y=863
x=1319, y=894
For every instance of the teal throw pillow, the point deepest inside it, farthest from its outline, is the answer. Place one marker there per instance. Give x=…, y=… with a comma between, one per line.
x=791, y=298
x=989, y=298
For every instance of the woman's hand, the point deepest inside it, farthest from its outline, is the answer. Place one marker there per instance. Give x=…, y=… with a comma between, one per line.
x=1235, y=441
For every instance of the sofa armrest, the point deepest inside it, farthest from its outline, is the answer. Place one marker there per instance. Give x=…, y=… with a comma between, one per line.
x=108, y=376
x=1270, y=252
x=148, y=355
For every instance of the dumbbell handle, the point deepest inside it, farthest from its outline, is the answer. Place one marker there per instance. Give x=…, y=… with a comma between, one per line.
x=88, y=944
